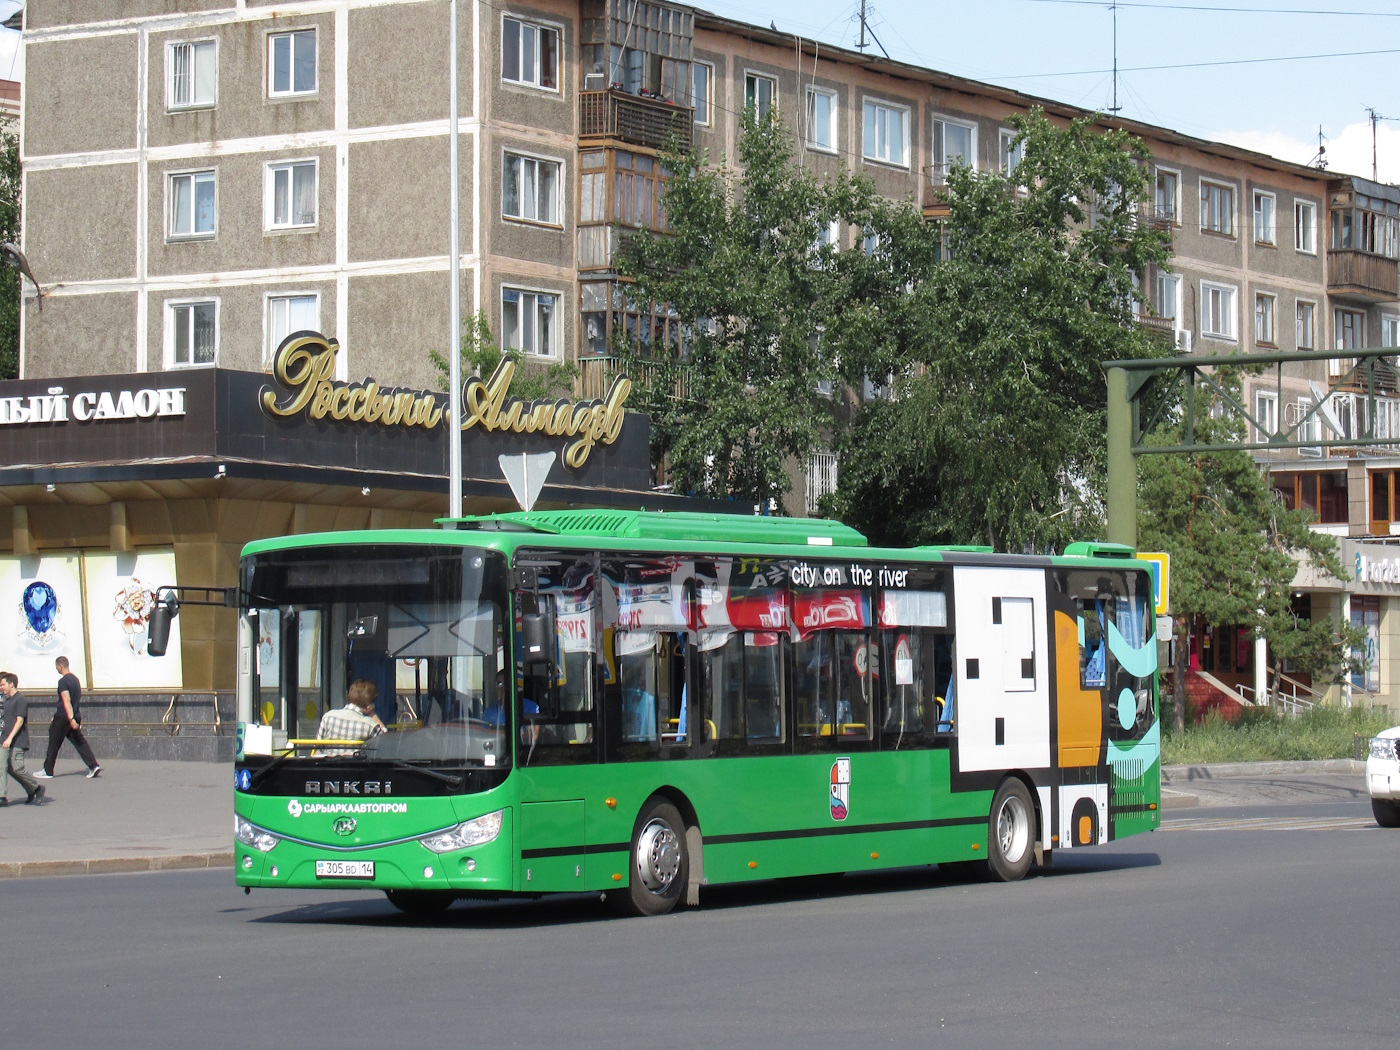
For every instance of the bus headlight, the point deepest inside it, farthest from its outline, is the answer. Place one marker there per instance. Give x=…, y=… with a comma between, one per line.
x=252, y=835
x=472, y=833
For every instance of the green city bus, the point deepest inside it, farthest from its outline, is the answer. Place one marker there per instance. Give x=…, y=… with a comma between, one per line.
x=646, y=703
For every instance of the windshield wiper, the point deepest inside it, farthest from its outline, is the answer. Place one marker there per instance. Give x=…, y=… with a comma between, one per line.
x=269, y=768
x=447, y=778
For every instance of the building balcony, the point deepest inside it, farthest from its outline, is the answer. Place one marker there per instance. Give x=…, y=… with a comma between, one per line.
x=1362, y=275
x=1159, y=329
x=597, y=373
x=637, y=121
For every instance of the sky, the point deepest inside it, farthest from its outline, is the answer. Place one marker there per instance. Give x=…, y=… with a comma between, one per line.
x=1229, y=84
x=1064, y=50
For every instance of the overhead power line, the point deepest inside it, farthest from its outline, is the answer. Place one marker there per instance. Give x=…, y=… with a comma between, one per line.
x=1225, y=9
x=1197, y=65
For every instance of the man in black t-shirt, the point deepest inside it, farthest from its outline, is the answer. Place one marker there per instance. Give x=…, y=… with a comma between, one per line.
x=14, y=741
x=67, y=723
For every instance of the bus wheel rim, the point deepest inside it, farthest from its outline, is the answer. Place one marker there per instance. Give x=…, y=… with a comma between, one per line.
x=658, y=856
x=1013, y=829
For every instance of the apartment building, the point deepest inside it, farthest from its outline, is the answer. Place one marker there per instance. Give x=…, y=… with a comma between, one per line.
x=205, y=177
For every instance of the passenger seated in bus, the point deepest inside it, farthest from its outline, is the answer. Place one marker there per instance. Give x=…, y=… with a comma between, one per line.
x=355, y=721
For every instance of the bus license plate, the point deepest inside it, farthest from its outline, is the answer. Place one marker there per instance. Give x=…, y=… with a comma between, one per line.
x=345, y=869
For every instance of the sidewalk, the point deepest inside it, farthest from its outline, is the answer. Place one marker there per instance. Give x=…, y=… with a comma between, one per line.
x=137, y=816
x=156, y=815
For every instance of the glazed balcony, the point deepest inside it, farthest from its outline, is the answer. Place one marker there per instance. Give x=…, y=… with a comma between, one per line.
x=637, y=121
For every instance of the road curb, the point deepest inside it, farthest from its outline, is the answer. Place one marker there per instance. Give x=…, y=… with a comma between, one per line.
x=115, y=865
x=1226, y=770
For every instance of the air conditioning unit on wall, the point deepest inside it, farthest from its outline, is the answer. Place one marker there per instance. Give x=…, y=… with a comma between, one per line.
x=1183, y=340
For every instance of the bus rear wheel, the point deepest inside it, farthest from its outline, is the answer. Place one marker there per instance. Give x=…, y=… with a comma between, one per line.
x=658, y=866
x=420, y=902
x=1011, y=832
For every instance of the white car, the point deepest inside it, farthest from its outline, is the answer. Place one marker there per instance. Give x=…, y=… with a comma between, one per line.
x=1383, y=777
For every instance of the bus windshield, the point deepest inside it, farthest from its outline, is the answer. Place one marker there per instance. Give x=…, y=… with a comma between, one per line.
x=379, y=653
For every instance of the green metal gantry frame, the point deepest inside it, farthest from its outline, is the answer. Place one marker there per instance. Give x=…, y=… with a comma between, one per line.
x=1129, y=381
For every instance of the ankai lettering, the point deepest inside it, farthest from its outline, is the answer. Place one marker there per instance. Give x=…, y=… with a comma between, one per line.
x=486, y=404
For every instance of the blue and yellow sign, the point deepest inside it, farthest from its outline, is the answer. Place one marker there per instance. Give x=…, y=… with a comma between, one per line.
x=1160, y=568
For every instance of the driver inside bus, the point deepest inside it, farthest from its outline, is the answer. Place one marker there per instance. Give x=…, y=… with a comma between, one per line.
x=355, y=721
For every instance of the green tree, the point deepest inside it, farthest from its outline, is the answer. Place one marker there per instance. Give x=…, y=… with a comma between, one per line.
x=995, y=432
x=11, y=300
x=481, y=355
x=1235, y=549
x=749, y=267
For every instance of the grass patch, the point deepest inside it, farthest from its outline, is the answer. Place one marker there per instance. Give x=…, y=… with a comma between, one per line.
x=1263, y=736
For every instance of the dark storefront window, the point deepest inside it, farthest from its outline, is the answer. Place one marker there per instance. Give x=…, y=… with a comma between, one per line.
x=1322, y=492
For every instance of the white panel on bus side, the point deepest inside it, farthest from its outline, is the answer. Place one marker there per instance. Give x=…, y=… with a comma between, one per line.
x=1003, y=668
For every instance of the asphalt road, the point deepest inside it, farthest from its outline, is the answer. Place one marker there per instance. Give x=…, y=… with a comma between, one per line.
x=1255, y=926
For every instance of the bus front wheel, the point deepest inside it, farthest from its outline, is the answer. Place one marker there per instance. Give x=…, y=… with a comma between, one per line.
x=1011, y=832
x=420, y=902
x=658, y=866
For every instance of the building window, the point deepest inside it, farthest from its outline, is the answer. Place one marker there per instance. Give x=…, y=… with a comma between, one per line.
x=1168, y=298
x=191, y=332
x=289, y=195
x=1390, y=330
x=869, y=241
x=291, y=63
x=192, y=207
x=821, y=479
x=1217, y=208
x=530, y=189
x=760, y=94
x=1265, y=225
x=529, y=322
x=702, y=79
x=1305, y=227
x=954, y=145
x=529, y=54
x=1167, y=205
x=1307, y=325
x=1010, y=151
x=287, y=314
x=192, y=74
x=1351, y=329
x=1218, y=310
x=1264, y=319
x=821, y=119
x=1265, y=415
x=886, y=133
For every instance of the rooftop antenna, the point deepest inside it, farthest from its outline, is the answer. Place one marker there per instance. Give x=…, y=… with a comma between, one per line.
x=1375, y=119
x=1115, y=108
x=865, y=28
x=1319, y=160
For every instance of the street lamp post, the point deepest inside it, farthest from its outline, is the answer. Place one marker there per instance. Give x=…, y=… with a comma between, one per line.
x=454, y=356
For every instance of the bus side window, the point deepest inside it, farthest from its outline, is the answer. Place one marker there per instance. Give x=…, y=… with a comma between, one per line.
x=1093, y=653
x=917, y=667
x=722, y=687
x=763, y=686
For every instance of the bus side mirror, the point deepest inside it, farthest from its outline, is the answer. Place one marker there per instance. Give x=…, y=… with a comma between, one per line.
x=167, y=607
x=537, y=637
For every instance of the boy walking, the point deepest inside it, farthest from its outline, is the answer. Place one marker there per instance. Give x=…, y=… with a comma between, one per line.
x=67, y=723
x=14, y=742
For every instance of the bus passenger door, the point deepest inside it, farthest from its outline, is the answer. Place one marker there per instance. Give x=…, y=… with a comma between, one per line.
x=1003, y=691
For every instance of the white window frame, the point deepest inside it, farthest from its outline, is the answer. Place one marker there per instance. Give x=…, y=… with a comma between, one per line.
x=170, y=307
x=822, y=478
x=270, y=170
x=1390, y=329
x=1231, y=312
x=1266, y=409
x=558, y=202
x=892, y=109
x=1270, y=303
x=1174, y=281
x=1309, y=431
x=556, y=336
x=284, y=295
x=1234, y=191
x=831, y=121
x=170, y=104
x=1008, y=158
x=756, y=75
x=1299, y=226
x=538, y=26
x=292, y=91
x=709, y=92
x=1175, y=217
x=1270, y=231
x=192, y=174
x=1298, y=344
x=938, y=170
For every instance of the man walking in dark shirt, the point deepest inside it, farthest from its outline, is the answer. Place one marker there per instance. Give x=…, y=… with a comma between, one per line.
x=14, y=742
x=67, y=723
